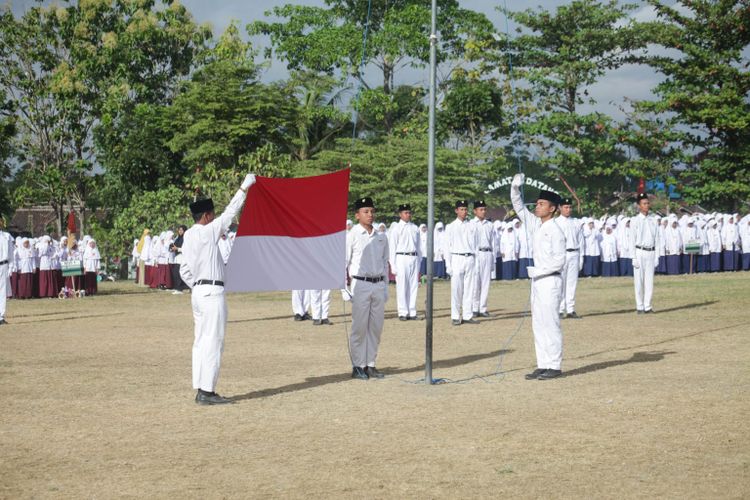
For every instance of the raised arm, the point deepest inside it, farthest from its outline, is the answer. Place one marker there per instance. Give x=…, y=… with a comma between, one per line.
x=515, y=197
x=221, y=224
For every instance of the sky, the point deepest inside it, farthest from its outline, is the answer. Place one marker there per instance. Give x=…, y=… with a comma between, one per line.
x=632, y=82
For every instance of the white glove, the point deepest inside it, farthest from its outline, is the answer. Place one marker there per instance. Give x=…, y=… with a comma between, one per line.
x=636, y=264
x=346, y=295
x=249, y=181
x=532, y=272
x=518, y=180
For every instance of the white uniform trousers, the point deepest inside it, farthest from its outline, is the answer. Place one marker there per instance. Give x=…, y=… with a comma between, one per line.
x=5, y=289
x=483, y=276
x=300, y=301
x=407, y=284
x=320, y=302
x=210, y=316
x=462, y=286
x=643, y=277
x=368, y=314
x=545, y=321
x=570, y=282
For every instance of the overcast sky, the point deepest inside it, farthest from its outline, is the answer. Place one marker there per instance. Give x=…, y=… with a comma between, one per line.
x=632, y=82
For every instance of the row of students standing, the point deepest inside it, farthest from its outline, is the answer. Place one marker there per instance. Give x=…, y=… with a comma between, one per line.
x=35, y=266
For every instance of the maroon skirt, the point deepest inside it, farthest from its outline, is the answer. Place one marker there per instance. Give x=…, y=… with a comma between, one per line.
x=152, y=276
x=89, y=282
x=73, y=282
x=25, y=285
x=48, y=283
x=165, y=276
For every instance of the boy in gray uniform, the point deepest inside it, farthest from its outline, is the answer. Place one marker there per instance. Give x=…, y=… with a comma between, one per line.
x=367, y=273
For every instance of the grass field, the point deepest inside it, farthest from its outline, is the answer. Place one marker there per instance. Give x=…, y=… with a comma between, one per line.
x=97, y=400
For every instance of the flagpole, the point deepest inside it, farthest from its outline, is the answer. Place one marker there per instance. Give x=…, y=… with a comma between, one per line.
x=431, y=200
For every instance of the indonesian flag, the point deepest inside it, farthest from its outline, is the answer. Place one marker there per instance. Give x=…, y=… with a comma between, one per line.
x=292, y=235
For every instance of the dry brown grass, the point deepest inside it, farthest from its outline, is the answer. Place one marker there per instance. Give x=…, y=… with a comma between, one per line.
x=96, y=401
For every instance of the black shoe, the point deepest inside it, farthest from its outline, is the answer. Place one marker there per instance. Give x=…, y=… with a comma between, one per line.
x=210, y=398
x=548, y=374
x=484, y=315
x=373, y=372
x=648, y=311
x=535, y=374
x=563, y=315
x=475, y=314
x=573, y=315
x=306, y=316
x=325, y=321
x=359, y=373
x=456, y=322
x=413, y=318
x=298, y=317
x=402, y=318
x=317, y=322
x=3, y=322
x=471, y=321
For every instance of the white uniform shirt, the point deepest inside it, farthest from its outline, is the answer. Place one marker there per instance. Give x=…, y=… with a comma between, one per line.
x=366, y=253
x=548, y=238
x=644, y=232
x=609, y=247
x=6, y=247
x=486, y=235
x=403, y=238
x=200, y=246
x=572, y=230
x=460, y=237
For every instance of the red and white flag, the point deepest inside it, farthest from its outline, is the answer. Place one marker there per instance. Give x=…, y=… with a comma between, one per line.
x=292, y=235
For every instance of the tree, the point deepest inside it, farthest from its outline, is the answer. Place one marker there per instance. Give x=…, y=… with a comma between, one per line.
x=69, y=69
x=329, y=39
x=563, y=54
x=705, y=92
x=7, y=132
x=224, y=112
x=318, y=119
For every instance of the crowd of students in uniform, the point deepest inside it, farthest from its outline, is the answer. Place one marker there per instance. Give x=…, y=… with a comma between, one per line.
x=35, y=268
x=156, y=259
x=722, y=243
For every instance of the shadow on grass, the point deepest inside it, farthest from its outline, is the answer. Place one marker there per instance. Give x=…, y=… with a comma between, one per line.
x=335, y=378
x=638, y=357
x=659, y=311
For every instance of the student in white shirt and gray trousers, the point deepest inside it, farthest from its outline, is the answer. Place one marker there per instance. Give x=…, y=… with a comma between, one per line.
x=367, y=273
x=645, y=241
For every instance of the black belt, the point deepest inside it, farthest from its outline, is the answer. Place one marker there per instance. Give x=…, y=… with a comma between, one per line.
x=464, y=254
x=369, y=280
x=571, y=249
x=485, y=249
x=407, y=253
x=648, y=249
x=210, y=282
x=3, y=262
